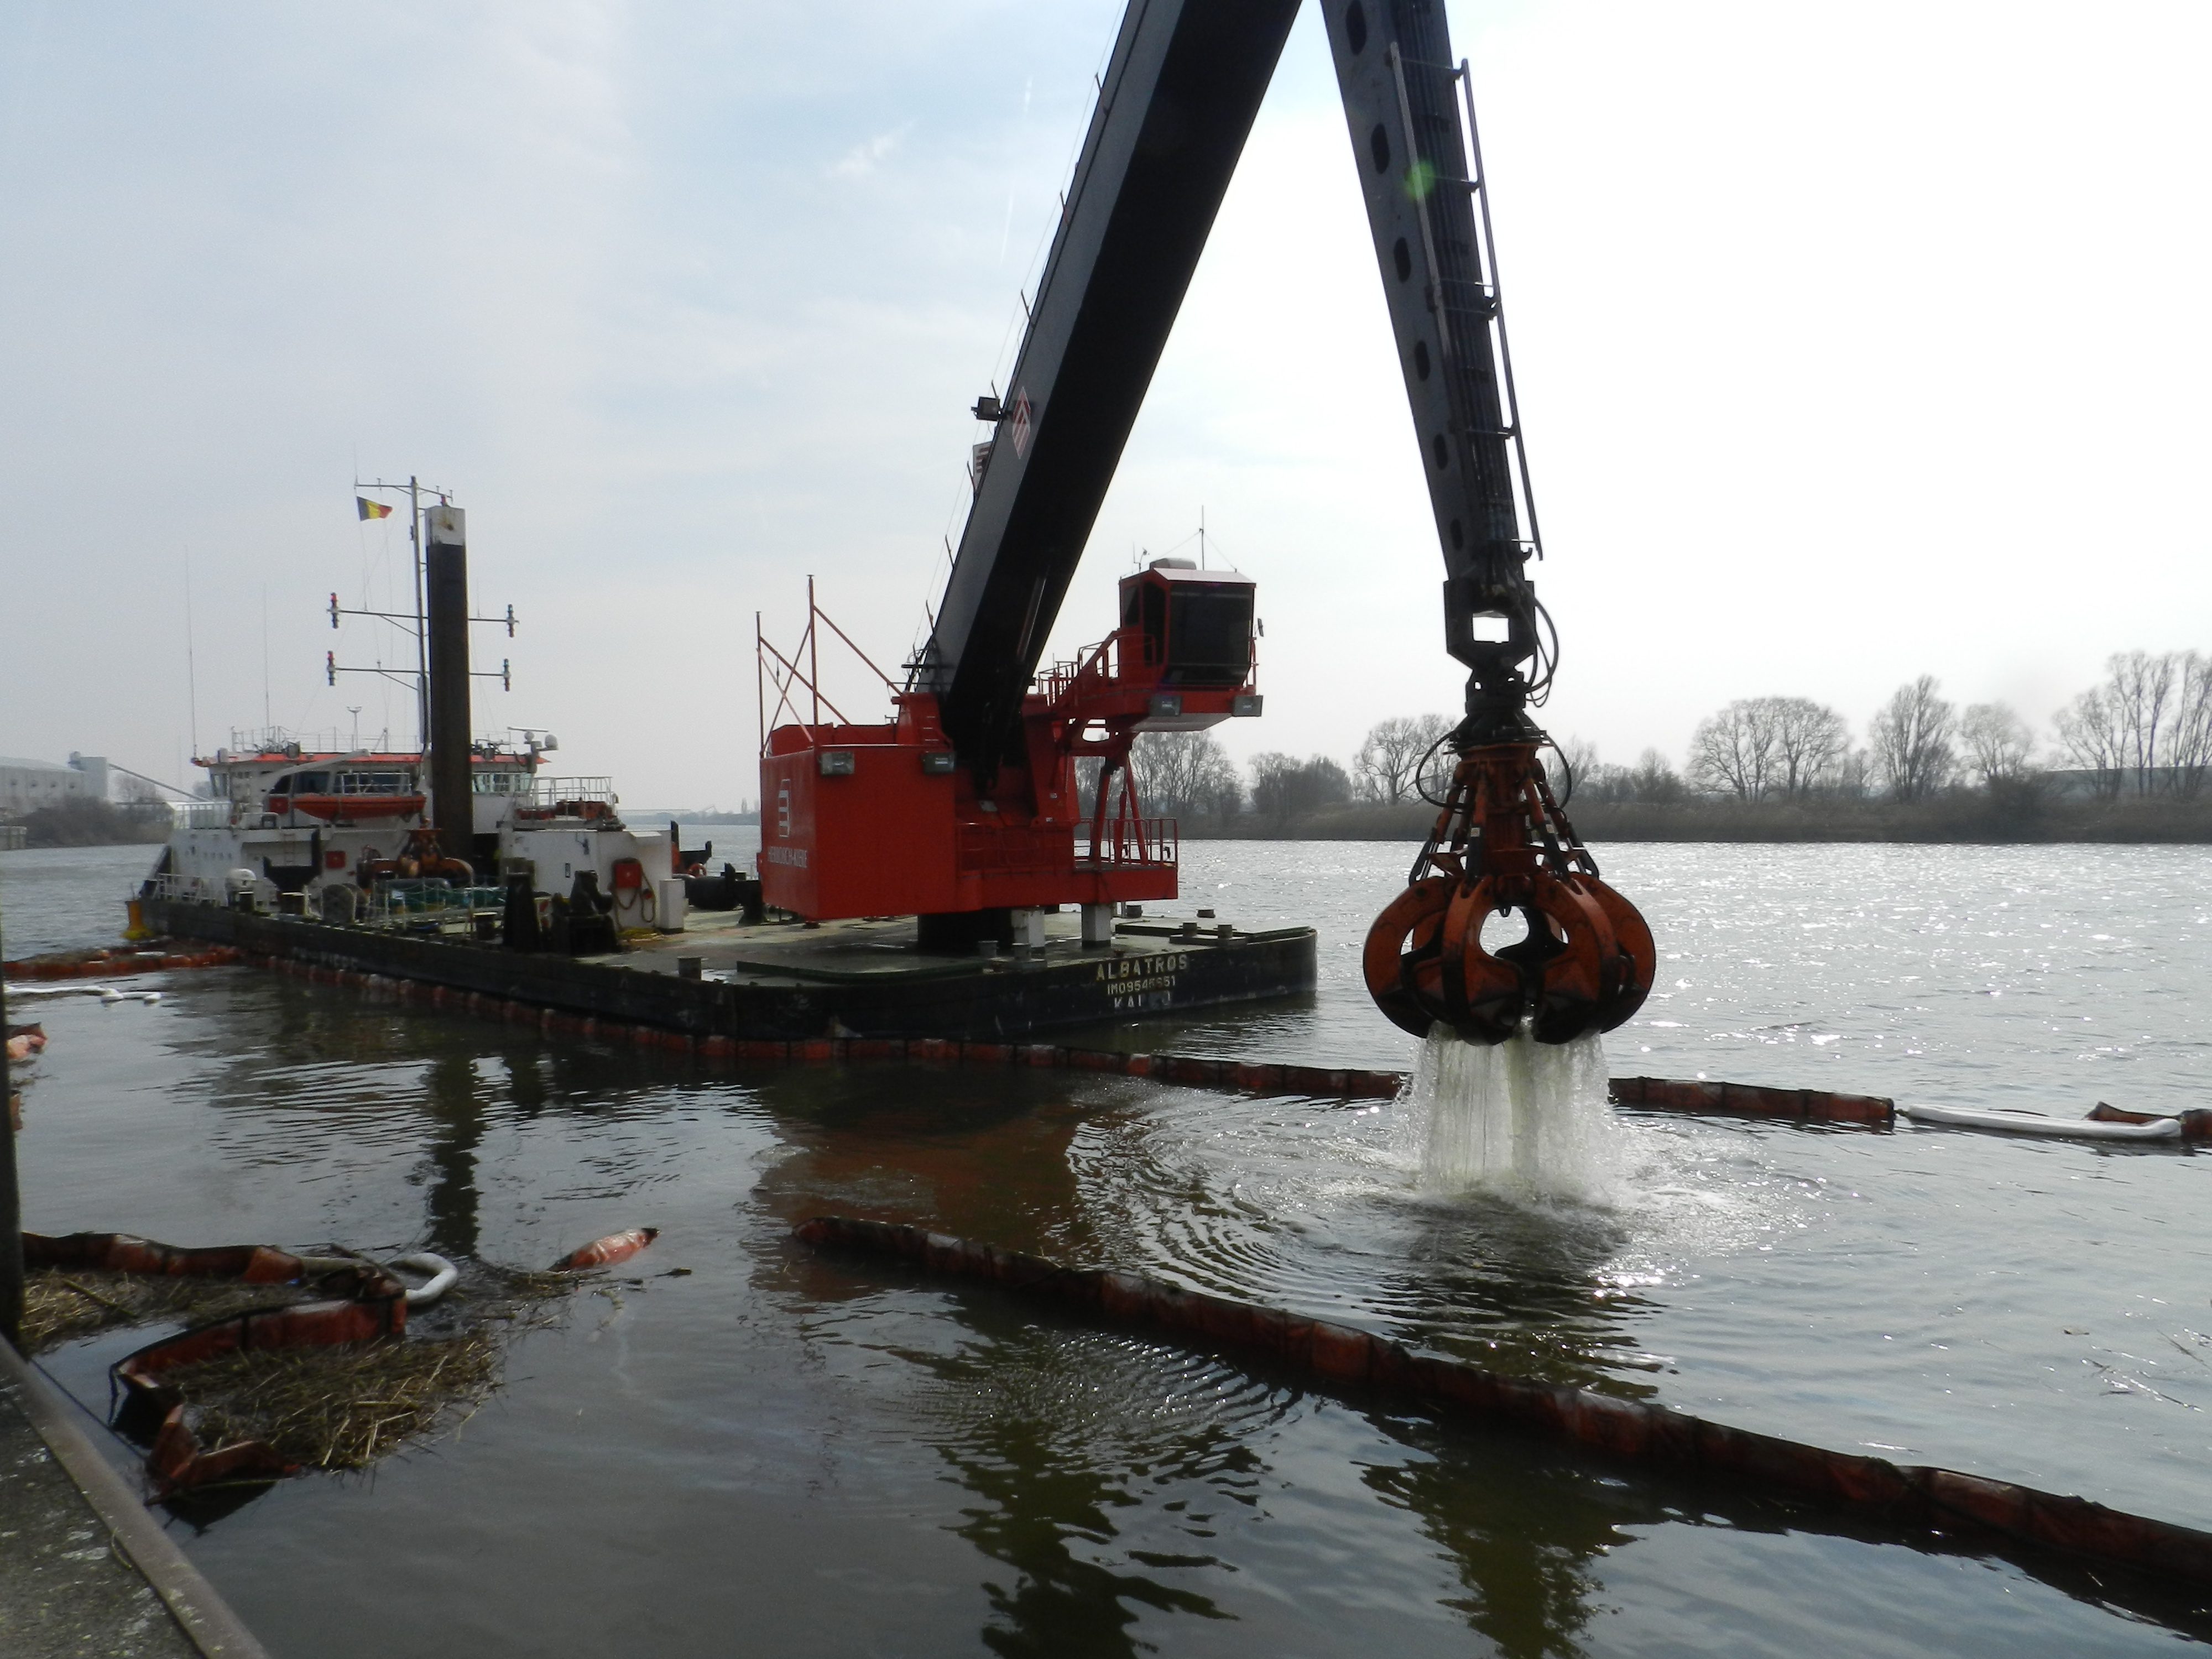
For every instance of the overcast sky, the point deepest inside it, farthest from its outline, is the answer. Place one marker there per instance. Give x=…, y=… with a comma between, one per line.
x=1854, y=341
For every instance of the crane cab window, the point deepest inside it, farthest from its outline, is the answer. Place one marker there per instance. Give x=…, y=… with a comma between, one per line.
x=1193, y=631
x=1144, y=606
x=1209, y=634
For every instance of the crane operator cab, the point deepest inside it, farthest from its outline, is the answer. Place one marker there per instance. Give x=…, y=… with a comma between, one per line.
x=1184, y=628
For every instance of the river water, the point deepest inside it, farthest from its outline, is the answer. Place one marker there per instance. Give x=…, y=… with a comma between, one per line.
x=781, y=1452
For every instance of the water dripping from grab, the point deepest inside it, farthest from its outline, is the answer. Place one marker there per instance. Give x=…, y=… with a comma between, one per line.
x=1520, y=1118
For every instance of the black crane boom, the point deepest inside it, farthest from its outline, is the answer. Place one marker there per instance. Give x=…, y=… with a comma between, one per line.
x=1175, y=106
x=1401, y=96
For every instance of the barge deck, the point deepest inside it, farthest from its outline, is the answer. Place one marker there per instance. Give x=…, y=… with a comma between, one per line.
x=789, y=982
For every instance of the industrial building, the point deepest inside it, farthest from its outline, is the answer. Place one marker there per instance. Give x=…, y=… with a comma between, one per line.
x=27, y=785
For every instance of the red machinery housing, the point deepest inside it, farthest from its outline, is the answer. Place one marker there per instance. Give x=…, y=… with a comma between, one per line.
x=865, y=820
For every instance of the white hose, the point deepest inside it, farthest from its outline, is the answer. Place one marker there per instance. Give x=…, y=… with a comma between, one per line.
x=2032, y=1123
x=442, y=1274
x=106, y=993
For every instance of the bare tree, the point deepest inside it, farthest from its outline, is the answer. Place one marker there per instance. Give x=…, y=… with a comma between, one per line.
x=1998, y=745
x=2141, y=687
x=1437, y=773
x=1285, y=788
x=1572, y=765
x=1732, y=753
x=1911, y=740
x=2089, y=731
x=1185, y=774
x=1854, y=775
x=2149, y=724
x=1389, y=760
x=1654, y=779
x=1607, y=782
x=2189, y=750
x=1088, y=768
x=1809, y=739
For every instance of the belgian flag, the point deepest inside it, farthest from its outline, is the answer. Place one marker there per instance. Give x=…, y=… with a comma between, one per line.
x=369, y=510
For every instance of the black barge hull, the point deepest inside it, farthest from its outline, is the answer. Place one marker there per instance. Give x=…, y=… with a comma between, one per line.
x=759, y=1000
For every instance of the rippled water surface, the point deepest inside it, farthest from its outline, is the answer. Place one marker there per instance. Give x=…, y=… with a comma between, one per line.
x=782, y=1452
x=54, y=897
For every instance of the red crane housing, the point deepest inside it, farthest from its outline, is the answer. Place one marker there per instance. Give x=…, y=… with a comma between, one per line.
x=882, y=819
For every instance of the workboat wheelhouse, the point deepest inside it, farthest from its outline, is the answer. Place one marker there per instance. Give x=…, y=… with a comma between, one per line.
x=311, y=829
x=353, y=789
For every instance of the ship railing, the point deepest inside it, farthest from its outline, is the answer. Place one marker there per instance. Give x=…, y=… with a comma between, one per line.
x=568, y=797
x=183, y=889
x=281, y=739
x=1130, y=843
x=429, y=901
x=544, y=792
x=201, y=814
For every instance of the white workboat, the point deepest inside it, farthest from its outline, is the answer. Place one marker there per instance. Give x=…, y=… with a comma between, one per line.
x=340, y=835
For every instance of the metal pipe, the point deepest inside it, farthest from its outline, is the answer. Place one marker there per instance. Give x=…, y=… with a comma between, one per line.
x=422, y=661
x=445, y=584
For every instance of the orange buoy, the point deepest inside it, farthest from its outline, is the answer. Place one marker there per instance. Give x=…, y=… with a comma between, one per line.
x=614, y=1247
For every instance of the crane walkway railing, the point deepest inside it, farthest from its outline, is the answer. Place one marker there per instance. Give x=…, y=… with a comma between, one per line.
x=1126, y=843
x=1098, y=667
x=1056, y=849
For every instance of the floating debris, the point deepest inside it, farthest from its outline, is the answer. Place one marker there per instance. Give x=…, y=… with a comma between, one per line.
x=340, y=1407
x=287, y=1361
x=601, y=1252
x=61, y=1307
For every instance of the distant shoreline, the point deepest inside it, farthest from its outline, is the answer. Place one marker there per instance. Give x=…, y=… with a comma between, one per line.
x=1964, y=819
x=82, y=822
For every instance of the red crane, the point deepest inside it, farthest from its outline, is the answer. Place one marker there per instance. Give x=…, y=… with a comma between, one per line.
x=964, y=804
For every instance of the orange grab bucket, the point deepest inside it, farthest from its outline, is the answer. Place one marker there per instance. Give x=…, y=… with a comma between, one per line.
x=1502, y=848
